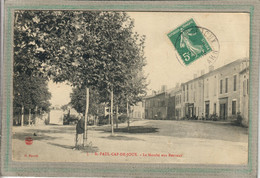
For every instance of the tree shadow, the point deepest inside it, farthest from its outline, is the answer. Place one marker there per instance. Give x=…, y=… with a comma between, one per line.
x=24, y=135
x=62, y=146
x=132, y=129
x=120, y=137
x=88, y=148
x=56, y=129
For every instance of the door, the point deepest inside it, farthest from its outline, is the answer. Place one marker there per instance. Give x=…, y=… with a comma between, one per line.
x=207, y=109
x=223, y=111
x=223, y=108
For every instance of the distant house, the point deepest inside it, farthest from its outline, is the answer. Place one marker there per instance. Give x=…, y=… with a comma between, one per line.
x=156, y=106
x=56, y=116
x=137, y=111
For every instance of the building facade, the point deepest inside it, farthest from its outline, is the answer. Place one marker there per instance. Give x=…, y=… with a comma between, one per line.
x=244, y=94
x=156, y=106
x=221, y=93
x=137, y=111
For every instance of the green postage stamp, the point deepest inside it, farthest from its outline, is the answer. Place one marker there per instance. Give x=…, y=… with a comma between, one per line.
x=189, y=42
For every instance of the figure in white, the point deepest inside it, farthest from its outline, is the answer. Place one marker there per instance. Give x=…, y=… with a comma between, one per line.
x=185, y=41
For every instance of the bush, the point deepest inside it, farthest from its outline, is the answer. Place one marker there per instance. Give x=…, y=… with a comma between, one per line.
x=103, y=120
x=70, y=119
x=91, y=122
x=239, y=119
x=214, y=117
x=123, y=118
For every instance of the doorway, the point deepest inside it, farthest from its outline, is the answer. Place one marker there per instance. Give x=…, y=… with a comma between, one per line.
x=223, y=108
x=207, y=109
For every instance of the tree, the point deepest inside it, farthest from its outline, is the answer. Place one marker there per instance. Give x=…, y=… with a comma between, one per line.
x=30, y=83
x=78, y=101
x=30, y=92
x=123, y=54
x=100, y=48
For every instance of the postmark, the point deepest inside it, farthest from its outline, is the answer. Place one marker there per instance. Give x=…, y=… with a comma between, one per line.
x=193, y=42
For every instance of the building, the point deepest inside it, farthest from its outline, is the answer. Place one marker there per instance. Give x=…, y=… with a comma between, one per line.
x=221, y=93
x=156, y=106
x=178, y=103
x=137, y=111
x=56, y=116
x=192, y=98
x=174, y=103
x=244, y=93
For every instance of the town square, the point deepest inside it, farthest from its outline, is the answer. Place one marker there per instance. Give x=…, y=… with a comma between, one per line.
x=130, y=87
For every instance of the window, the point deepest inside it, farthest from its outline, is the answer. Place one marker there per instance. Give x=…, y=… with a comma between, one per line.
x=220, y=86
x=233, y=107
x=235, y=83
x=244, y=88
x=226, y=88
x=215, y=108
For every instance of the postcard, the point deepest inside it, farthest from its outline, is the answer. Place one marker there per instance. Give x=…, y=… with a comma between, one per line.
x=150, y=89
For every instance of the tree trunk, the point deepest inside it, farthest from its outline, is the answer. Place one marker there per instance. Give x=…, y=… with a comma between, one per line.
x=109, y=115
x=96, y=118
x=86, y=118
x=127, y=114
x=112, y=117
x=22, y=120
x=29, y=115
x=35, y=116
x=117, y=116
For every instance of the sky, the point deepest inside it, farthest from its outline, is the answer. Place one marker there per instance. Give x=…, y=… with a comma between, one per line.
x=163, y=67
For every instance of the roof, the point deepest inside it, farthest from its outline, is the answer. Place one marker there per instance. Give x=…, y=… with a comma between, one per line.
x=152, y=96
x=218, y=69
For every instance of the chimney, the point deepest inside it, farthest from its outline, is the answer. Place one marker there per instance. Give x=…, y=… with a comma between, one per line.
x=211, y=68
x=177, y=85
x=153, y=92
x=163, y=88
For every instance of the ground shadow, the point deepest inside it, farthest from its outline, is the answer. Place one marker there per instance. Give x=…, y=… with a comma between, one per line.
x=132, y=129
x=88, y=148
x=24, y=135
x=120, y=137
x=56, y=129
x=62, y=146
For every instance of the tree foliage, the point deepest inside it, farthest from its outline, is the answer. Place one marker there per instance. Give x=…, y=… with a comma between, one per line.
x=93, y=49
x=30, y=92
x=29, y=81
x=78, y=101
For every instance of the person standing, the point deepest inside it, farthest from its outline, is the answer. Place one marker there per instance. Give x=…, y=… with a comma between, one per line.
x=79, y=133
